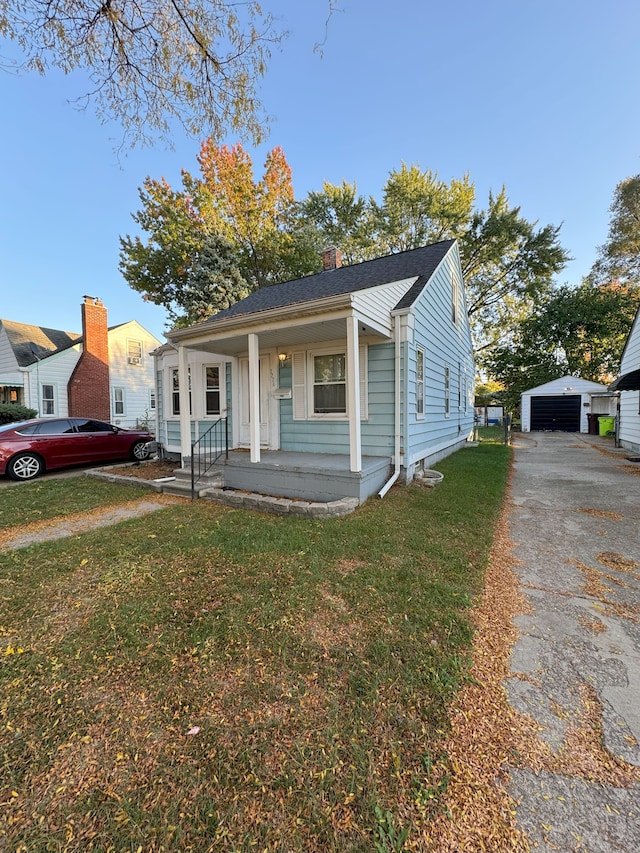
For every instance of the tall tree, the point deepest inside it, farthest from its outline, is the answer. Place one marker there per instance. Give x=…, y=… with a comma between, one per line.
x=225, y=207
x=578, y=332
x=340, y=218
x=418, y=208
x=152, y=63
x=619, y=257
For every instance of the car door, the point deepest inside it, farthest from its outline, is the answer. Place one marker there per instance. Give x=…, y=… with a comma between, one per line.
x=97, y=440
x=54, y=440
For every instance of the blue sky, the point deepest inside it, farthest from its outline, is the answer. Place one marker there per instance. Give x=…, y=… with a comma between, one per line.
x=540, y=96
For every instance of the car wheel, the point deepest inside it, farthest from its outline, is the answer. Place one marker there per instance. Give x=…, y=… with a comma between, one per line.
x=25, y=466
x=140, y=451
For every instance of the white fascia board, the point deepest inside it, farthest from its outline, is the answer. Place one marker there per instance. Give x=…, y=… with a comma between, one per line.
x=268, y=320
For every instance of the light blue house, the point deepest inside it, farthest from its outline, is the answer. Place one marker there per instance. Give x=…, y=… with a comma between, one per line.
x=336, y=384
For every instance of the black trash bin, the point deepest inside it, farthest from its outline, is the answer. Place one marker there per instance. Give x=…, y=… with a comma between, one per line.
x=593, y=423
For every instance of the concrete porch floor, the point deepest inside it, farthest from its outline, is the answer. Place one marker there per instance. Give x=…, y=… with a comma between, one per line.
x=308, y=476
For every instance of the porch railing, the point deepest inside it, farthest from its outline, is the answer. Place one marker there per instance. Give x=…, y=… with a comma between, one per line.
x=207, y=449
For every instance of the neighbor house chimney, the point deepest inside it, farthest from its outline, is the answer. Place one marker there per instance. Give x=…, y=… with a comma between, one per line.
x=88, y=389
x=331, y=259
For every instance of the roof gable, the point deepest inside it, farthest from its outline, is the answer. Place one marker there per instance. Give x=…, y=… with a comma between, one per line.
x=24, y=338
x=420, y=263
x=567, y=383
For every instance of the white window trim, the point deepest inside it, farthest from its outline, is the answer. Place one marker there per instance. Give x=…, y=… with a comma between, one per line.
x=54, y=387
x=302, y=383
x=135, y=360
x=455, y=298
x=420, y=414
x=221, y=390
x=447, y=391
x=324, y=416
x=114, y=413
x=171, y=415
x=153, y=399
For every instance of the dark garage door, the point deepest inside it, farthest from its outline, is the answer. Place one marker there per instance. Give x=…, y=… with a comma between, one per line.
x=561, y=413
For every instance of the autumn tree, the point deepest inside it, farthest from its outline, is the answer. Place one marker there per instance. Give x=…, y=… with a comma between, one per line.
x=339, y=217
x=185, y=229
x=619, y=257
x=153, y=63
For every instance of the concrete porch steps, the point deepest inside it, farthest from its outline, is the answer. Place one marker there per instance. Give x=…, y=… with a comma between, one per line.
x=181, y=486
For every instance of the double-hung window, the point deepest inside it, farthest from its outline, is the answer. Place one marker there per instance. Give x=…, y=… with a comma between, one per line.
x=118, y=401
x=134, y=352
x=175, y=391
x=330, y=384
x=212, y=389
x=420, y=383
x=48, y=400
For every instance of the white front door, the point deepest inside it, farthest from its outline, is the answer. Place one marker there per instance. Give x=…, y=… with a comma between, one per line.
x=265, y=432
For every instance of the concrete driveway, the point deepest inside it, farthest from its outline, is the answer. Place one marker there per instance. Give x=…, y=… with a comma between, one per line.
x=575, y=522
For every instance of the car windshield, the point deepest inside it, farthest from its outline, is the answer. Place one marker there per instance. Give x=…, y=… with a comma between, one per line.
x=13, y=425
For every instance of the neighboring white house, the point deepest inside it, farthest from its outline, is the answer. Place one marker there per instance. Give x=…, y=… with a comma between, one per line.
x=43, y=369
x=565, y=405
x=628, y=385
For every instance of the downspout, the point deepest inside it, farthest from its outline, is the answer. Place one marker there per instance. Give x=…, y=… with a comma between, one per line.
x=397, y=425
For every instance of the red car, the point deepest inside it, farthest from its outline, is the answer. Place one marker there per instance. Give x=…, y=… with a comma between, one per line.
x=29, y=448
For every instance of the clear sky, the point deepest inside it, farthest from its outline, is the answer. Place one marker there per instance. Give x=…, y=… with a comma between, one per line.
x=540, y=96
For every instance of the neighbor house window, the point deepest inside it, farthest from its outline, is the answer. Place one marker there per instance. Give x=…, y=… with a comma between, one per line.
x=175, y=392
x=330, y=384
x=459, y=386
x=212, y=390
x=152, y=400
x=420, y=383
x=447, y=391
x=48, y=400
x=118, y=401
x=134, y=352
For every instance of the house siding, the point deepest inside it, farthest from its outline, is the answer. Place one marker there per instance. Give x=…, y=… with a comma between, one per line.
x=327, y=436
x=136, y=379
x=629, y=428
x=446, y=345
x=54, y=370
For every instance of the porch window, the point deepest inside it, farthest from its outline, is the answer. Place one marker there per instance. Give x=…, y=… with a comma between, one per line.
x=420, y=383
x=118, y=401
x=48, y=400
x=175, y=392
x=212, y=390
x=447, y=392
x=330, y=384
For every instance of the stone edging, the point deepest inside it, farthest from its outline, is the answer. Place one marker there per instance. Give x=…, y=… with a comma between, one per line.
x=247, y=500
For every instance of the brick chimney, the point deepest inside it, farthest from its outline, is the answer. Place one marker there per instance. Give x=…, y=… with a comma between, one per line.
x=88, y=389
x=331, y=259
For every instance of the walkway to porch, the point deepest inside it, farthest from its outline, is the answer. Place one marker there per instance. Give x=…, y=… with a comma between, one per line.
x=307, y=476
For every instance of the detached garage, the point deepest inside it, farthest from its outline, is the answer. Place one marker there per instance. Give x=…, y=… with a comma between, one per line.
x=563, y=405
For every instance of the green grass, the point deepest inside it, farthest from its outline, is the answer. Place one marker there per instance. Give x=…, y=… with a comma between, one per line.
x=316, y=660
x=45, y=499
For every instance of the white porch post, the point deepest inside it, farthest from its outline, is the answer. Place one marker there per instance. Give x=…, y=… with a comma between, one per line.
x=353, y=394
x=185, y=414
x=254, y=398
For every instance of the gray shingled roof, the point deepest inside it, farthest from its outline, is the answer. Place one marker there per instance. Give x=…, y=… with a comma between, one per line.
x=46, y=341
x=415, y=262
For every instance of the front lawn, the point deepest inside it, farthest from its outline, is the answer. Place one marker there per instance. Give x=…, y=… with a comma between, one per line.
x=207, y=679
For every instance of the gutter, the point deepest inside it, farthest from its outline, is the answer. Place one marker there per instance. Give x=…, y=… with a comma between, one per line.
x=396, y=472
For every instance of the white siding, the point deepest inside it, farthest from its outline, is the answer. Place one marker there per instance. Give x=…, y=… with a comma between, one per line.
x=54, y=370
x=566, y=385
x=629, y=427
x=137, y=380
